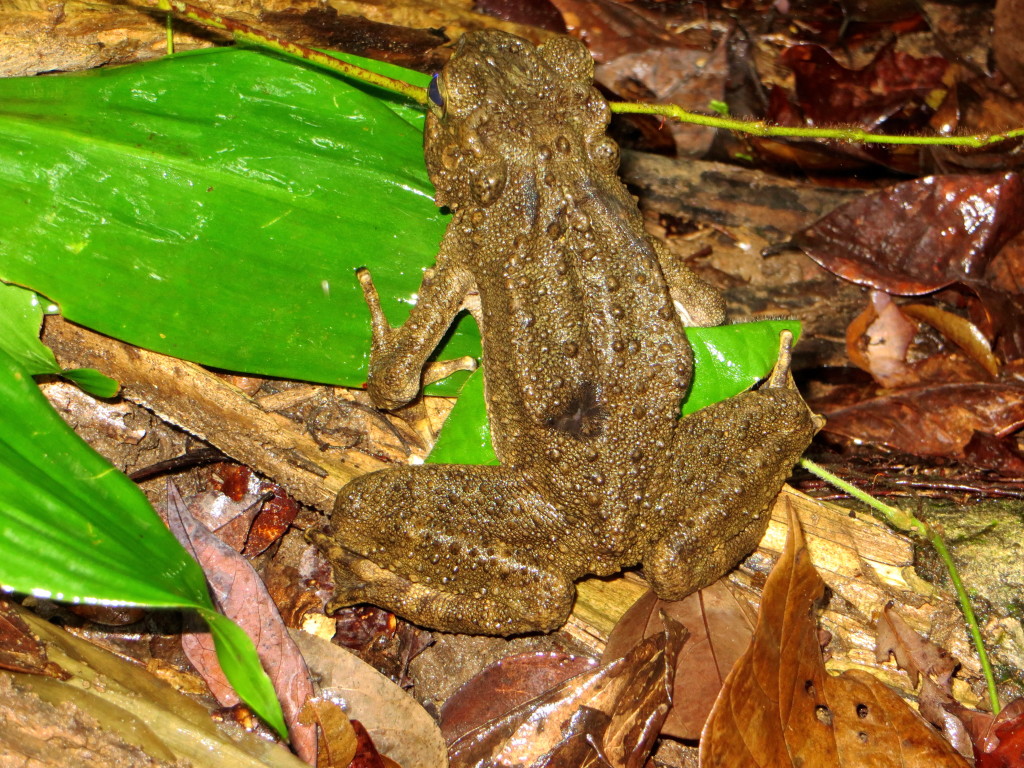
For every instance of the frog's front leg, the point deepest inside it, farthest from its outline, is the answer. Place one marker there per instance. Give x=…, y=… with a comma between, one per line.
x=398, y=356
x=451, y=547
x=727, y=463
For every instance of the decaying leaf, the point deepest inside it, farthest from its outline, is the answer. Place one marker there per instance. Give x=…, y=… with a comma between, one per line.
x=401, y=729
x=921, y=235
x=609, y=716
x=504, y=685
x=878, y=339
x=998, y=741
x=126, y=701
x=242, y=596
x=932, y=421
x=959, y=330
x=338, y=741
x=923, y=660
x=719, y=630
x=20, y=650
x=779, y=707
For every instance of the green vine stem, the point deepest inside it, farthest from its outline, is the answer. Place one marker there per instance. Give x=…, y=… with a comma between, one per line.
x=263, y=39
x=847, y=134
x=905, y=521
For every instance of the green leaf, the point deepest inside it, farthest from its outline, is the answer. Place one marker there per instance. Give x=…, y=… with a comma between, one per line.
x=466, y=437
x=214, y=206
x=21, y=313
x=74, y=528
x=728, y=359
x=237, y=656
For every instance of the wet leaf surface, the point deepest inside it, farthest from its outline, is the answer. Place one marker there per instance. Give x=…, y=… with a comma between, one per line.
x=933, y=421
x=921, y=235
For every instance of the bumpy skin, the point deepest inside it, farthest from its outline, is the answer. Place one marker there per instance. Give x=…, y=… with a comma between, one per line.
x=586, y=363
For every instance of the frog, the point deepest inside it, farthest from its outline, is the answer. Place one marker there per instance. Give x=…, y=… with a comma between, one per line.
x=585, y=363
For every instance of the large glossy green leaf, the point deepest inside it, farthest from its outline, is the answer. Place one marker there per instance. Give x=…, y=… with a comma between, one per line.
x=214, y=206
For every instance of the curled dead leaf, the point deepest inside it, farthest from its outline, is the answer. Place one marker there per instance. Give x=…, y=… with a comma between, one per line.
x=779, y=707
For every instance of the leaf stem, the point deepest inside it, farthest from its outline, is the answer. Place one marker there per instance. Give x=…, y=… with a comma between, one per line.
x=255, y=36
x=849, y=134
x=905, y=521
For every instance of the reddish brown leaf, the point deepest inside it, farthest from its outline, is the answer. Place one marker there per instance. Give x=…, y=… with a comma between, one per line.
x=607, y=716
x=919, y=236
x=366, y=755
x=922, y=659
x=913, y=653
x=505, y=685
x=241, y=596
x=612, y=29
x=894, y=83
x=780, y=708
x=250, y=530
x=720, y=631
x=998, y=741
x=20, y=650
x=932, y=421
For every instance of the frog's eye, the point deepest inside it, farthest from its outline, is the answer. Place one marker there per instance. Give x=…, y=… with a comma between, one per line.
x=434, y=90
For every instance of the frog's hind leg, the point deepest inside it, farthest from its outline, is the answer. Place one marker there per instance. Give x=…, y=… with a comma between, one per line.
x=450, y=547
x=728, y=462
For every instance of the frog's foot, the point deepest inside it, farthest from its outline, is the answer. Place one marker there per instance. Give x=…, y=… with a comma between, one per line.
x=398, y=356
x=453, y=548
x=781, y=376
x=727, y=463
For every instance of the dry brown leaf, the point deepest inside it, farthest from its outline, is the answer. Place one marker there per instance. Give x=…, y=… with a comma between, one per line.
x=609, y=716
x=779, y=706
x=506, y=684
x=720, y=630
x=401, y=729
x=959, y=330
x=338, y=740
x=241, y=595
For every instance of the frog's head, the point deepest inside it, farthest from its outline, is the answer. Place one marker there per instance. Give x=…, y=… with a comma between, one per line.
x=503, y=109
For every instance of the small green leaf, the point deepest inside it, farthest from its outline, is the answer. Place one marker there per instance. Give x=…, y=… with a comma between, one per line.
x=237, y=656
x=729, y=359
x=719, y=107
x=21, y=313
x=466, y=437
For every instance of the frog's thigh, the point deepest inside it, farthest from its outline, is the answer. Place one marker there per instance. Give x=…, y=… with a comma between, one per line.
x=451, y=547
x=728, y=462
